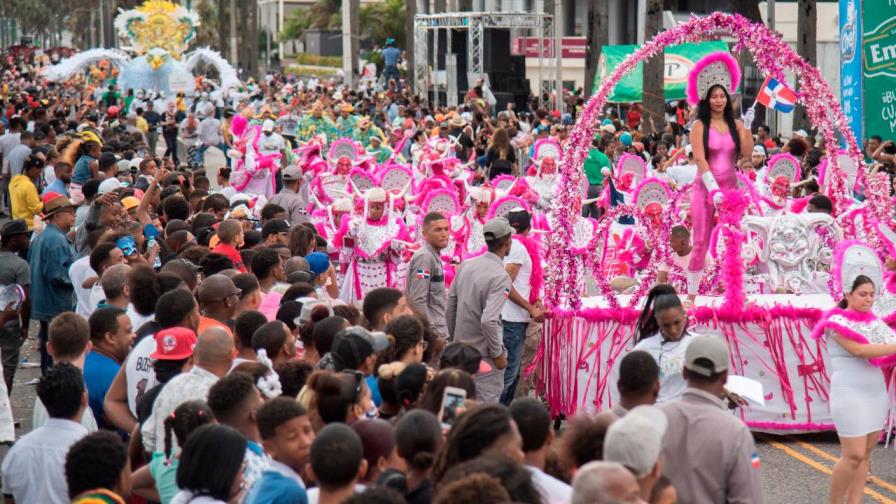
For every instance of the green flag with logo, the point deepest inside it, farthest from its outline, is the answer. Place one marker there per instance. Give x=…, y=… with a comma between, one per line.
x=879, y=67
x=679, y=60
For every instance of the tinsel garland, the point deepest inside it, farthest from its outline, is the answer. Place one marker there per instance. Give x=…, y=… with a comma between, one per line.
x=772, y=56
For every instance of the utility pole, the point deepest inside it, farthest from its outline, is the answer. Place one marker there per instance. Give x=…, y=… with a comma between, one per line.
x=653, y=101
x=558, y=54
x=350, y=40
x=598, y=37
x=234, y=52
x=807, y=12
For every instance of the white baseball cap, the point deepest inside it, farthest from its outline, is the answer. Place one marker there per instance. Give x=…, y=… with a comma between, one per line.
x=636, y=440
x=268, y=125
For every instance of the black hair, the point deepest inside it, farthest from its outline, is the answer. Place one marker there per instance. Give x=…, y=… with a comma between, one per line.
x=293, y=376
x=275, y=413
x=227, y=395
x=418, y=437
x=376, y=495
x=288, y=312
x=264, y=262
x=210, y=461
x=100, y=254
x=173, y=307
x=167, y=369
x=822, y=202
x=246, y=324
x=202, y=220
x=497, y=243
x=405, y=333
x=334, y=394
x=270, y=210
x=176, y=207
x=169, y=282
x=297, y=290
x=185, y=419
x=336, y=456
x=638, y=373
x=214, y=263
x=858, y=282
x=96, y=461
x=61, y=390
x=247, y=283
x=325, y=331
x=660, y=298
x=377, y=302
x=474, y=432
x=271, y=336
x=704, y=114
x=513, y=477
x=104, y=320
x=452, y=377
x=145, y=291
x=533, y=421
x=433, y=217
x=409, y=384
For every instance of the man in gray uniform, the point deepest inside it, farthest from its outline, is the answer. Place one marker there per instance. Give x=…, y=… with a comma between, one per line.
x=474, y=307
x=425, y=288
x=710, y=453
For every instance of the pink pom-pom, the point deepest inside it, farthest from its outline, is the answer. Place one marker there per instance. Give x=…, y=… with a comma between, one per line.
x=238, y=125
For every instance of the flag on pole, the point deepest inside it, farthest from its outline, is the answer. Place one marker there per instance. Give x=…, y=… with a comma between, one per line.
x=776, y=95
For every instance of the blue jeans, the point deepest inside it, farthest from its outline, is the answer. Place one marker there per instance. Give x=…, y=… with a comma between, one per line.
x=46, y=362
x=514, y=339
x=391, y=72
x=200, y=154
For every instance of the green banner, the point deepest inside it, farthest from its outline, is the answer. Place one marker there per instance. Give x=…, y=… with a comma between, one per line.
x=679, y=60
x=879, y=68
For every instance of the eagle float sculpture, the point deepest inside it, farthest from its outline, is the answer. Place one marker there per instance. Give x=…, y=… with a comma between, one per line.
x=160, y=32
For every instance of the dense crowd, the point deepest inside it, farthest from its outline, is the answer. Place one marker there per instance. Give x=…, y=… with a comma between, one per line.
x=197, y=345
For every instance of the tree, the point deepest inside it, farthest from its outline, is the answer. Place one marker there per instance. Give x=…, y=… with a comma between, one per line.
x=653, y=102
x=805, y=47
x=326, y=14
x=380, y=21
x=598, y=37
x=295, y=24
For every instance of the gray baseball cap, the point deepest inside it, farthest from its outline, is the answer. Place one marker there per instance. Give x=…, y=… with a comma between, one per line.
x=706, y=349
x=496, y=228
x=636, y=440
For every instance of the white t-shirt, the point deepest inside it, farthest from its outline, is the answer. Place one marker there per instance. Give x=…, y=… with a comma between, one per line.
x=138, y=371
x=96, y=297
x=682, y=174
x=682, y=261
x=270, y=144
x=553, y=491
x=79, y=271
x=669, y=355
x=513, y=312
x=314, y=493
x=138, y=320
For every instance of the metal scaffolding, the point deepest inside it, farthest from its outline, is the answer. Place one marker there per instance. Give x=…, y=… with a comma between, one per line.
x=475, y=23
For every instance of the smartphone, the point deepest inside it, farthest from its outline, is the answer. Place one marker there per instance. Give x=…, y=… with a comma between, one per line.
x=452, y=400
x=127, y=245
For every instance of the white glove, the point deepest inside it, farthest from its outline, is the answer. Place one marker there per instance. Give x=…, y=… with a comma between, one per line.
x=748, y=116
x=712, y=187
x=693, y=278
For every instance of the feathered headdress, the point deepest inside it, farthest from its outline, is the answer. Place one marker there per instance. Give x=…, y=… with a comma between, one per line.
x=716, y=68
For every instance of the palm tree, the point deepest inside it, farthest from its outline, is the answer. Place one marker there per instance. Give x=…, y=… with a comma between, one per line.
x=326, y=14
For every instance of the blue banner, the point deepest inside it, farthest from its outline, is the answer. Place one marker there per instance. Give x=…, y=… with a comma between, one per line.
x=851, y=65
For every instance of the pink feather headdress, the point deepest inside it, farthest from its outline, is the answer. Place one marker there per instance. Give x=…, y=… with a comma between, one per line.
x=716, y=68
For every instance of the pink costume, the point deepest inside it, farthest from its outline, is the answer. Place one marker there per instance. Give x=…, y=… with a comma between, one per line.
x=720, y=157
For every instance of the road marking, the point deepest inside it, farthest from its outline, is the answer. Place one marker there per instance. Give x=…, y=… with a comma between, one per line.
x=821, y=467
x=822, y=453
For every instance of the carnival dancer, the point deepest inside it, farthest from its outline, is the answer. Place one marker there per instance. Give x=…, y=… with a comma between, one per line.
x=377, y=238
x=347, y=122
x=314, y=124
x=885, y=304
x=542, y=175
x=366, y=131
x=718, y=141
x=467, y=227
x=859, y=344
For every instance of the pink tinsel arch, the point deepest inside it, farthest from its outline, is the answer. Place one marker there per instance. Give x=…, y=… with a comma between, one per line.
x=772, y=56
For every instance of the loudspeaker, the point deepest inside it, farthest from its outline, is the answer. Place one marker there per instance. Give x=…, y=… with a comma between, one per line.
x=496, y=48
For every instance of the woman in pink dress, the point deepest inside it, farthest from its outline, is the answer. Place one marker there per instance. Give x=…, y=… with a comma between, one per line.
x=717, y=140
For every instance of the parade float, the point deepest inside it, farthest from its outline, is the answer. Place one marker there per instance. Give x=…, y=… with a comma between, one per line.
x=159, y=33
x=768, y=281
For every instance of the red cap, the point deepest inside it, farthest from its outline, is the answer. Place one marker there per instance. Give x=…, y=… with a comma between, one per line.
x=174, y=343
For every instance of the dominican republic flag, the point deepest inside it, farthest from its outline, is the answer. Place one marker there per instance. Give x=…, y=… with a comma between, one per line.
x=755, y=462
x=776, y=95
x=423, y=274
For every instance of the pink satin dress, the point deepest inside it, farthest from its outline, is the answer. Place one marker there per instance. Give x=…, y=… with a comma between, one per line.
x=720, y=156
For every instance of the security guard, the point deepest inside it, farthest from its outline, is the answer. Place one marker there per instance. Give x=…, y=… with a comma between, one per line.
x=425, y=288
x=474, y=307
x=710, y=453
